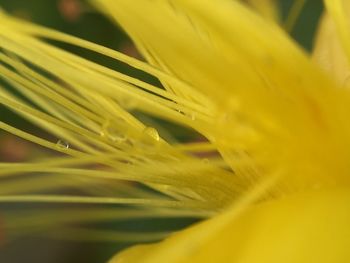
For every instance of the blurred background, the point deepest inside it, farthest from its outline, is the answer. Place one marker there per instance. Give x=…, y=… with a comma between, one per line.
x=78, y=18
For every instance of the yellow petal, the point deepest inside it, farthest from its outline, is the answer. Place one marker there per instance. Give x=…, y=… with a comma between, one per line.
x=339, y=11
x=279, y=103
x=267, y=93
x=267, y=8
x=307, y=227
x=329, y=53
x=190, y=50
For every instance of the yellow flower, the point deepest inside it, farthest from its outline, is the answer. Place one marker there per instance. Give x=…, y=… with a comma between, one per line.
x=276, y=183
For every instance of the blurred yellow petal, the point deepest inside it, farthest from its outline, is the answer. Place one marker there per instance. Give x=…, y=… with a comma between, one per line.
x=272, y=98
x=339, y=11
x=267, y=8
x=311, y=227
x=280, y=109
x=329, y=53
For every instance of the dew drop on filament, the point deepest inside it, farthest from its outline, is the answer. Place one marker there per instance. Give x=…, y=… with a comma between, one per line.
x=61, y=144
x=151, y=132
x=112, y=133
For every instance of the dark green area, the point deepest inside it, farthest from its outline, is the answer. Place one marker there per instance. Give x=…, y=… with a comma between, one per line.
x=305, y=27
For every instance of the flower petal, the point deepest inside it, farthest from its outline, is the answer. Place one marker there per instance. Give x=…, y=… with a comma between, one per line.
x=339, y=9
x=328, y=51
x=267, y=8
x=310, y=227
x=271, y=100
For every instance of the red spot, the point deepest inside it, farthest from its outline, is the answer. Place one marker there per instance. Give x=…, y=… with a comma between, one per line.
x=13, y=150
x=129, y=49
x=70, y=9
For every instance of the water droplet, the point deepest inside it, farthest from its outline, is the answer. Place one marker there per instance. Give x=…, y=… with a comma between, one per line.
x=152, y=132
x=111, y=132
x=115, y=136
x=61, y=144
x=103, y=133
x=104, y=128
